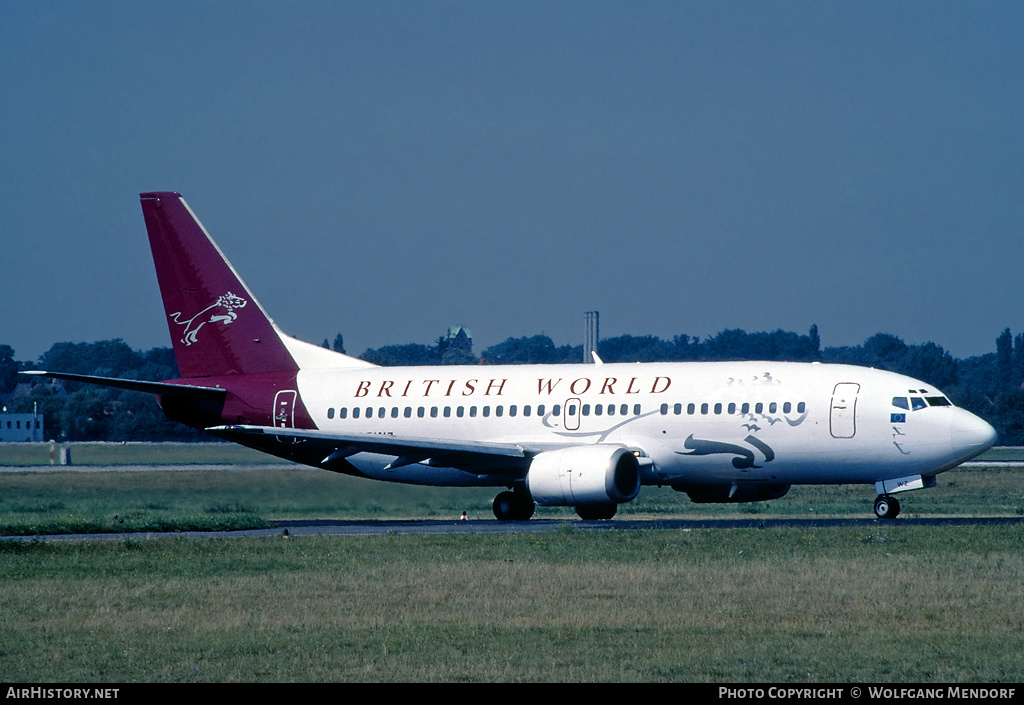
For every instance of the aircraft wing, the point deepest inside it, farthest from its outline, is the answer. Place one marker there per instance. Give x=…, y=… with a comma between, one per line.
x=471, y=456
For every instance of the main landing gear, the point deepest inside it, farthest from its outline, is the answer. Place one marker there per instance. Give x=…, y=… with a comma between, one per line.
x=887, y=507
x=514, y=506
x=518, y=505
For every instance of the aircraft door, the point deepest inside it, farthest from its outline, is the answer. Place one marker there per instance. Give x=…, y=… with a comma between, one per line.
x=284, y=411
x=571, y=415
x=843, y=416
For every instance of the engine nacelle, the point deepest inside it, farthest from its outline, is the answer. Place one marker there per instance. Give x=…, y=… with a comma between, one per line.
x=584, y=475
x=738, y=492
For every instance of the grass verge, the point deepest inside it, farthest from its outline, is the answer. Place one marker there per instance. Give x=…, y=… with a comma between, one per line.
x=253, y=497
x=889, y=604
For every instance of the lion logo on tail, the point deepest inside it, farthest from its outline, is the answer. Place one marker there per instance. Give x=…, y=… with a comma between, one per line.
x=221, y=311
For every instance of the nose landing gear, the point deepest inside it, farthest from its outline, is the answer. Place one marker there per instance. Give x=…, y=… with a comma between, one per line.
x=887, y=507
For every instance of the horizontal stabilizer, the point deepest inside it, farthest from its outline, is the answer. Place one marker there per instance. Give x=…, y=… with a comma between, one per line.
x=135, y=385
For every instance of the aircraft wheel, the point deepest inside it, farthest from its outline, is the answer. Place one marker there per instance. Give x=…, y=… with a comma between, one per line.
x=596, y=511
x=887, y=507
x=508, y=507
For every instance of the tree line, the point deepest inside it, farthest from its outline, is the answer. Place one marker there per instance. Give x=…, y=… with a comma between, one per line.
x=989, y=385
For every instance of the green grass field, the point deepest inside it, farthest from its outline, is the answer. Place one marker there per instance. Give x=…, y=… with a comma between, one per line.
x=887, y=604
x=893, y=602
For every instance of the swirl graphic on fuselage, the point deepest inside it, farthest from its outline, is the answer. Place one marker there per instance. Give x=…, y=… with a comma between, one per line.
x=601, y=434
x=698, y=446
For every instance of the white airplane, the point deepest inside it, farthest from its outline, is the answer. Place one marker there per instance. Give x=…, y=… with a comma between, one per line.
x=586, y=436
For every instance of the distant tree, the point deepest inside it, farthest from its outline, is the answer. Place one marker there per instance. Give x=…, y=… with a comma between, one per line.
x=630, y=348
x=885, y=348
x=1017, y=378
x=1007, y=417
x=537, y=349
x=737, y=344
x=339, y=344
x=685, y=348
x=8, y=369
x=1004, y=358
x=84, y=416
x=401, y=355
x=814, y=341
x=979, y=374
x=110, y=358
x=930, y=363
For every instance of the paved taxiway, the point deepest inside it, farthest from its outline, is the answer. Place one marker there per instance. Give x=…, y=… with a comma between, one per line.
x=376, y=527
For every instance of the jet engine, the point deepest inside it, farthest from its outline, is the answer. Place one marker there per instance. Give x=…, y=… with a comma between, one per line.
x=733, y=492
x=584, y=475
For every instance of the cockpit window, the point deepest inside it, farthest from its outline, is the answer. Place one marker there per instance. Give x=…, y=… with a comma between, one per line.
x=900, y=402
x=917, y=403
x=938, y=401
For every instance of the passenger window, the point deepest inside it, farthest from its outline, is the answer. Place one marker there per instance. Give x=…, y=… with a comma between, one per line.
x=772, y=408
x=513, y=410
x=421, y=412
x=586, y=409
x=623, y=410
x=787, y=407
x=664, y=410
x=758, y=408
x=355, y=412
x=636, y=410
x=598, y=409
x=901, y=403
x=745, y=409
x=691, y=409
x=732, y=408
x=408, y=412
x=718, y=408
x=330, y=413
x=800, y=408
x=540, y=410
x=433, y=412
x=526, y=410
x=460, y=412
x=499, y=410
x=487, y=411
x=704, y=408
x=447, y=412
x=472, y=412
x=343, y=412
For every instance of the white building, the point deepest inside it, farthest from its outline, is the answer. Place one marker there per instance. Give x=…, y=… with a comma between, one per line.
x=21, y=427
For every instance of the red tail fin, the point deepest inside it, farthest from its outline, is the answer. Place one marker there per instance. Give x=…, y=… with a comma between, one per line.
x=217, y=326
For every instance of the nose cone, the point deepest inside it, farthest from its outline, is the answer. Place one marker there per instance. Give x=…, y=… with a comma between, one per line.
x=970, y=435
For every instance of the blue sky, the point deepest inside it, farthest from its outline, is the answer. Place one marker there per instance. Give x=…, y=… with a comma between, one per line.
x=388, y=169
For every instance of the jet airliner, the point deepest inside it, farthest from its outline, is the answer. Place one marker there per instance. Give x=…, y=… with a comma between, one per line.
x=586, y=436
